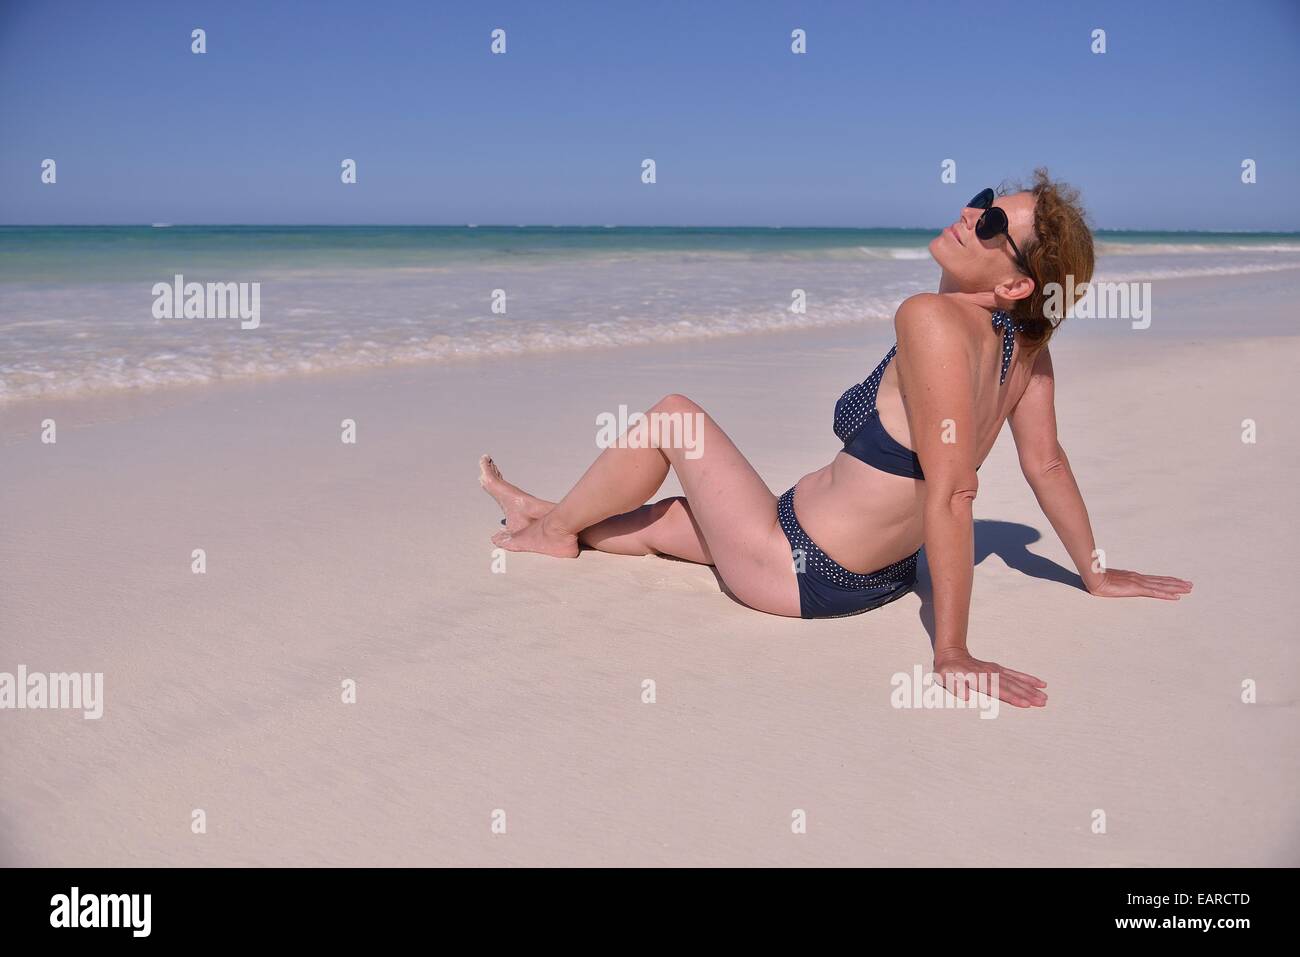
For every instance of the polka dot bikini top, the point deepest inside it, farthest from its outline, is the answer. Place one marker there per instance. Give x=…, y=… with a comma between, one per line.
x=857, y=420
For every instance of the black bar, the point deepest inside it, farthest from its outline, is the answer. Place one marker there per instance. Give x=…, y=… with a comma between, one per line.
x=330, y=906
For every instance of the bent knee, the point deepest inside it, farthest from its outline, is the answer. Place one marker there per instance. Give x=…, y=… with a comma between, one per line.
x=676, y=402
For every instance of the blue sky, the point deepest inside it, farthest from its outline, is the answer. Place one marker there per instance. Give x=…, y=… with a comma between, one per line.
x=743, y=131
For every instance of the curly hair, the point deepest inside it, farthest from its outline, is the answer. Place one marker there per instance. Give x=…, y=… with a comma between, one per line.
x=1061, y=246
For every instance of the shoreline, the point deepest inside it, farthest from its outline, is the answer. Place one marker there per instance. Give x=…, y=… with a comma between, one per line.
x=1267, y=317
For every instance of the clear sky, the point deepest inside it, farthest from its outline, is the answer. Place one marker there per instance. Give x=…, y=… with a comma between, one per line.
x=743, y=131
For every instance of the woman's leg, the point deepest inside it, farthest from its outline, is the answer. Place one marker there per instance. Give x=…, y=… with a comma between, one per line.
x=730, y=504
x=665, y=527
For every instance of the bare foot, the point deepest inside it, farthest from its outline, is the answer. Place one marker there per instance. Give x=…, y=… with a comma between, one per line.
x=518, y=506
x=535, y=538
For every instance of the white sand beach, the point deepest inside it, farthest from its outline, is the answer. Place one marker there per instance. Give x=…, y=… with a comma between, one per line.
x=522, y=691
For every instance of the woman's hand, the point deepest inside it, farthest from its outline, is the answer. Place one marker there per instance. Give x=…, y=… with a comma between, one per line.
x=1118, y=583
x=955, y=668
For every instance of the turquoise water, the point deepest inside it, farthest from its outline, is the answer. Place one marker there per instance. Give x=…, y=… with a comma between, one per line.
x=40, y=254
x=78, y=304
x=93, y=253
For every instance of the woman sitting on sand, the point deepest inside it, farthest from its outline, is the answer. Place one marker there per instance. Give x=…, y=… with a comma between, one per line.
x=968, y=358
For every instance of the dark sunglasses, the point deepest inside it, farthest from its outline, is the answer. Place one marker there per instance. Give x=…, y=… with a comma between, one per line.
x=993, y=222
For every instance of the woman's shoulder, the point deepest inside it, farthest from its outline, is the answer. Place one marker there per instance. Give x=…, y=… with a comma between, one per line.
x=936, y=317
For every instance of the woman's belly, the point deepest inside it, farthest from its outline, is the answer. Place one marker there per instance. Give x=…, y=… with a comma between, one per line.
x=861, y=517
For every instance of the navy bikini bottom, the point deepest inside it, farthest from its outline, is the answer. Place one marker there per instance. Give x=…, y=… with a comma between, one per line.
x=829, y=590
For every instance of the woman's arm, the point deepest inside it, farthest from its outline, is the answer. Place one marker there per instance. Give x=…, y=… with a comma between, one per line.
x=1047, y=470
x=935, y=378
x=936, y=366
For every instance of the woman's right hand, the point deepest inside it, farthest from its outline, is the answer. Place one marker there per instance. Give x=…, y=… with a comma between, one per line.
x=955, y=669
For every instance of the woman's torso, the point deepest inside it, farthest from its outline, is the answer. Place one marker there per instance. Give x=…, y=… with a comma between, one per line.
x=866, y=519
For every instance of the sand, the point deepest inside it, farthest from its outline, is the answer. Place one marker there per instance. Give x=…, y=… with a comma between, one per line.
x=522, y=691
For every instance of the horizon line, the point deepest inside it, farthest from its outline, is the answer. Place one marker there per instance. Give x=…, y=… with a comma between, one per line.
x=915, y=229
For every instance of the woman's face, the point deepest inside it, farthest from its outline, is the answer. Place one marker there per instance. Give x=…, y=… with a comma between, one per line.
x=982, y=265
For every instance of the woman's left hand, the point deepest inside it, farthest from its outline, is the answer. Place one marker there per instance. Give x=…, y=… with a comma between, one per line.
x=1118, y=583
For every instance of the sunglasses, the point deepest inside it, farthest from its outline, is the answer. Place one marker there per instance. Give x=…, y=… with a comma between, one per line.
x=993, y=222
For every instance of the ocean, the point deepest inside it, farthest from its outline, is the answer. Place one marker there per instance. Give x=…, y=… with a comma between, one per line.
x=80, y=313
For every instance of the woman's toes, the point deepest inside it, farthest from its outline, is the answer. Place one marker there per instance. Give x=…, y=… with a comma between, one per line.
x=487, y=470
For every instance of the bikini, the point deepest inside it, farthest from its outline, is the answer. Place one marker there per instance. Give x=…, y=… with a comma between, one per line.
x=826, y=588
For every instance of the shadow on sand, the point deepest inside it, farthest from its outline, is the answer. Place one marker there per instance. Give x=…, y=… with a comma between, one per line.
x=1009, y=541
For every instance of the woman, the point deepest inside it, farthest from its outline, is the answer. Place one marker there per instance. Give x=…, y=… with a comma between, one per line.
x=968, y=358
